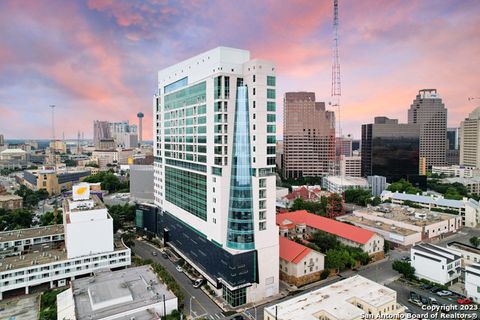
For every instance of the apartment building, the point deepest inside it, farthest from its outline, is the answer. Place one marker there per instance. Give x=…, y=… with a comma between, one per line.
x=56, y=254
x=436, y=264
x=214, y=180
x=472, y=282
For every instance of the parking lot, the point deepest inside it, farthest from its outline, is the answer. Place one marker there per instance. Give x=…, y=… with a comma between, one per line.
x=429, y=298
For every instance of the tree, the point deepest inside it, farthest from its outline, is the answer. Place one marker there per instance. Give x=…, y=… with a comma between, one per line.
x=324, y=241
x=31, y=198
x=338, y=259
x=315, y=207
x=70, y=163
x=404, y=268
x=387, y=246
x=121, y=215
x=403, y=186
x=109, y=181
x=49, y=218
x=475, y=241
x=16, y=219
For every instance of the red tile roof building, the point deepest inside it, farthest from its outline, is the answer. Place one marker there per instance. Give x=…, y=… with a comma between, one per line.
x=302, y=224
x=299, y=264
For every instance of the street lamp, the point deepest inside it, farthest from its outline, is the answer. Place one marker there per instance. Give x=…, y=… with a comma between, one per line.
x=192, y=297
x=254, y=306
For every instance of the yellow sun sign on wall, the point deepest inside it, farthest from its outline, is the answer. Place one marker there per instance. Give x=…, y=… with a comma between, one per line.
x=80, y=191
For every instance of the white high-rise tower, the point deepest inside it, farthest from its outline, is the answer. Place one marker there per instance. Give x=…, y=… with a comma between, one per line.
x=214, y=170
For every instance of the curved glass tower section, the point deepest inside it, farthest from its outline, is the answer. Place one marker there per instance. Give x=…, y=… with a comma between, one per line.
x=240, y=213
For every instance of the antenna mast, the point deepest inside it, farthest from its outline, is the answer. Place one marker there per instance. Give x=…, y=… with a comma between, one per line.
x=52, y=106
x=335, y=94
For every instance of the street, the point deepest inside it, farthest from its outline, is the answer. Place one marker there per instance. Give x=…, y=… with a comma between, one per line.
x=202, y=305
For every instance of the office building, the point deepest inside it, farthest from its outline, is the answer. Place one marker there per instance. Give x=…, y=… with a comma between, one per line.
x=141, y=182
x=472, y=282
x=133, y=293
x=340, y=184
x=343, y=146
x=2, y=140
x=429, y=112
x=377, y=185
x=390, y=149
x=279, y=155
x=308, y=137
x=214, y=167
x=299, y=264
x=140, y=116
x=353, y=298
x=453, y=147
x=302, y=224
x=351, y=166
x=106, y=144
x=124, y=134
x=101, y=131
x=467, y=208
x=57, y=254
x=470, y=140
x=435, y=264
x=54, y=181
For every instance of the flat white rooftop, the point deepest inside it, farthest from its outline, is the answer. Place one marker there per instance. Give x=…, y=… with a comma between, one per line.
x=111, y=293
x=334, y=300
x=347, y=181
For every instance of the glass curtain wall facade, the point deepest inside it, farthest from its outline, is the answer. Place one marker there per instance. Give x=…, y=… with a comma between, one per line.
x=240, y=215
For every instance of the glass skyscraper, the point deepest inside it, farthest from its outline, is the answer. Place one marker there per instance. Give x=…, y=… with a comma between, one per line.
x=390, y=149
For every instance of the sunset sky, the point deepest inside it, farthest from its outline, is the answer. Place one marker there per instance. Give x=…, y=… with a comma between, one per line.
x=98, y=59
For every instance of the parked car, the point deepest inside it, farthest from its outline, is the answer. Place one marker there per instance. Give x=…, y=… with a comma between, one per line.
x=444, y=293
x=198, y=283
x=165, y=255
x=406, y=258
x=179, y=269
x=426, y=286
x=238, y=317
x=154, y=253
x=433, y=302
x=424, y=301
x=435, y=289
x=464, y=301
x=414, y=298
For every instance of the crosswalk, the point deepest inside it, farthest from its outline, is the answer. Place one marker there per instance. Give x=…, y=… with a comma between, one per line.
x=216, y=316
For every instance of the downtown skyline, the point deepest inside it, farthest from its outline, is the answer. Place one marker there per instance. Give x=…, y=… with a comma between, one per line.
x=98, y=59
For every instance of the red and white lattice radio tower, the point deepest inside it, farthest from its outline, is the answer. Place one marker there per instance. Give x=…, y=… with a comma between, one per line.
x=336, y=94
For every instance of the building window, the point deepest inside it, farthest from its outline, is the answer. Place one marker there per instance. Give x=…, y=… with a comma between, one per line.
x=270, y=93
x=262, y=226
x=235, y=298
x=271, y=81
